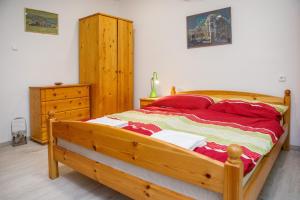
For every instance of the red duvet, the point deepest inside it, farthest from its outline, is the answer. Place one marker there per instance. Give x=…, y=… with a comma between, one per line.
x=214, y=150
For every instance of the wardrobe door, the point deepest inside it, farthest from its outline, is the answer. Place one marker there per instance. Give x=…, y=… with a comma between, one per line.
x=107, y=82
x=125, y=65
x=89, y=59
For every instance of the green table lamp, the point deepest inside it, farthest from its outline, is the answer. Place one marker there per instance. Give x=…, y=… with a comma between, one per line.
x=154, y=82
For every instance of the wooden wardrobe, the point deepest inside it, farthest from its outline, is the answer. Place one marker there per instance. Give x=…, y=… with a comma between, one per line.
x=106, y=62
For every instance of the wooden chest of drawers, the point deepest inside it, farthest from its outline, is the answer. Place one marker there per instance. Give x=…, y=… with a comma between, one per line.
x=67, y=101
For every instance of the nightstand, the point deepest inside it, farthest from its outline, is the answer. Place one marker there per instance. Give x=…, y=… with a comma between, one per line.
x=146, y=101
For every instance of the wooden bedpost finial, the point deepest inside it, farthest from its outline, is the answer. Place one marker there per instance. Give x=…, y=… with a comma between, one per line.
x=234, y=153
x=51, y=115
x=287, y=118
x=233, y=170
x=173, y=90
x=52, y=163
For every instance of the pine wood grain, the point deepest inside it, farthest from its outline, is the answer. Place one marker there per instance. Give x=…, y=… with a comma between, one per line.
x=106, y=62
x=66, y=93
x=107, y=15
x=144, y=151
x=125, y=65
x=233, y=188
x=52, y=162
x=129, y=185
x=35, y=112
x=287, y=118
x=89, y=52
x=108, y=77
x=146, y=101
x=235, y=94
x=68, y=101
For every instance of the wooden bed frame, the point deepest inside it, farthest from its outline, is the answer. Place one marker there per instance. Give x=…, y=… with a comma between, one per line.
x=188, y=166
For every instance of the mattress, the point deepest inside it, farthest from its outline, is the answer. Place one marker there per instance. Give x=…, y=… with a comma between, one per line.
x=147, y=175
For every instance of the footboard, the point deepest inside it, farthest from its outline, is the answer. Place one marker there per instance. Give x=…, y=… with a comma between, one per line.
x=145, y=152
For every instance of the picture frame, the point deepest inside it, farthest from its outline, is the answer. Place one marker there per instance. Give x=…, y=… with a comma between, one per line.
x=39, y=21
x=209, y=28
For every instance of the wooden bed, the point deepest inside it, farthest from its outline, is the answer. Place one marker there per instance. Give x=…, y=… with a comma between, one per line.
x=161, y=157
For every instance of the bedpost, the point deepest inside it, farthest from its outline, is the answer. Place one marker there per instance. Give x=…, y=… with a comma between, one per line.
x=52, y=163
x=287, y=117
x=173, y=90
x=234, y=170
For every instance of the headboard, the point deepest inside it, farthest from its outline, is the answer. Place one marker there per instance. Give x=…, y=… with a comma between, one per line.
x=224, y=94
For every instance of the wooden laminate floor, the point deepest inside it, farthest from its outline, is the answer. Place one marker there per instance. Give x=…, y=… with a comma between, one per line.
x=24, y=175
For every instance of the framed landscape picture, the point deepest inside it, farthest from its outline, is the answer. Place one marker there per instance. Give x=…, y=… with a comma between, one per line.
x=209, y=28
x=38, y=21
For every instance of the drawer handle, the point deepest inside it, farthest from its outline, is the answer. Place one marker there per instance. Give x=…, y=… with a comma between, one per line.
x=54, y=94
x=79, y=103
x=80, y=115
x=55, y=107
x=79, y=92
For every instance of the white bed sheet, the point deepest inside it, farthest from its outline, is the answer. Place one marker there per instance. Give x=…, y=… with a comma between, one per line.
x=148, y=175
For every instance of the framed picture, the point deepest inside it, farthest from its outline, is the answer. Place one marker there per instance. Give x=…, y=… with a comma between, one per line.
x=38, y=21
x=209, y=29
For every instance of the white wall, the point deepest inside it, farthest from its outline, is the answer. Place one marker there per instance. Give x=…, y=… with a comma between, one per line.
x=41, y=59
x=266, y=44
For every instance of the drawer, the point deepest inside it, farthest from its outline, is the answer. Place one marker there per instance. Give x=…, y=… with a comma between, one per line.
x=146, y=101
x=58, y=115
x=64, y=93
x=64, y=105
x=79, y=114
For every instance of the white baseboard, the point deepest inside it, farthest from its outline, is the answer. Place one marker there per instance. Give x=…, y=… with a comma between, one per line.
x=295, y=148
x=5, y=144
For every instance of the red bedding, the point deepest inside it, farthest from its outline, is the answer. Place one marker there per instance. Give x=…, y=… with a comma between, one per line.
x=214, y=150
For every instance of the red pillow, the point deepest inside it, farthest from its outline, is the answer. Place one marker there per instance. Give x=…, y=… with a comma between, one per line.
x=248, y=109
x=184, y=101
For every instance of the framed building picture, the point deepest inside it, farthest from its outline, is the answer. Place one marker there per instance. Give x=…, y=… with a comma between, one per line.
x=209, y=28
x=38, y=21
